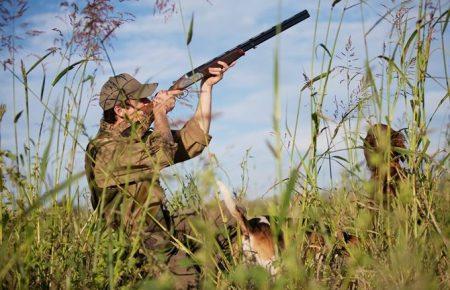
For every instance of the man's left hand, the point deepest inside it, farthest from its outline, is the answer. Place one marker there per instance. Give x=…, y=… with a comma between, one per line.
x=217, y=73
x=165, y=100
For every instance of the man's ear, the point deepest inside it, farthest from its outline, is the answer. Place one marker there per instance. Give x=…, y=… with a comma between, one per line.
x=119, y=111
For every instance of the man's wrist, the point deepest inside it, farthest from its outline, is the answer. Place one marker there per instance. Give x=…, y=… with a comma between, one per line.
x=160, y=110
x=206, y=87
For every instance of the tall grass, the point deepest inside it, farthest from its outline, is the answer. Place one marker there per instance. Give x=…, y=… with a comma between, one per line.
x=51, y=238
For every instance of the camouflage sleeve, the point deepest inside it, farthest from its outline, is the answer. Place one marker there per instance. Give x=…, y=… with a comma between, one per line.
x=125, y=162
x=191, y=141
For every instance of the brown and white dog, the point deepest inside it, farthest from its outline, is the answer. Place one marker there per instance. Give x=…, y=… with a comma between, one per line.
x=258, y=244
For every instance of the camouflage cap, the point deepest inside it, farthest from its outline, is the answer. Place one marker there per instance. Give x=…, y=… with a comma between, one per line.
x=121, y=87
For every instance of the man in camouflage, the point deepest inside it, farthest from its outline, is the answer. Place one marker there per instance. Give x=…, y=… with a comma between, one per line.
x=123, y=162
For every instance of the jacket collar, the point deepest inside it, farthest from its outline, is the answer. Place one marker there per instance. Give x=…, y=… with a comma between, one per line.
x=124, y=129
x=113, y=130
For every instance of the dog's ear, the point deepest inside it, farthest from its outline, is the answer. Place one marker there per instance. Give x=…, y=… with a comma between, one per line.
x=237, y=212
x=241, y=210
x=243, y=222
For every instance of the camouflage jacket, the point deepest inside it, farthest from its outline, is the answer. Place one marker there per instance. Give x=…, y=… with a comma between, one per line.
x=123, y=170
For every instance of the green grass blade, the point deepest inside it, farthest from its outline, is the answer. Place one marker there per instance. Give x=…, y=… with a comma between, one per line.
x=39, y=61
x=446, y=14
x=381, y=19
x=326, y=49
x=17, y=117
x=315, y=79
x=44, y=161
x=66, y=70
x=406, y=47
x=42, y=88
x=397, y=69
x=190, y=31
x=334, y=3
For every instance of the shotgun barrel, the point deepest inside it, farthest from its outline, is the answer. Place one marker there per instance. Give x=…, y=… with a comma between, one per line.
x=233, y=54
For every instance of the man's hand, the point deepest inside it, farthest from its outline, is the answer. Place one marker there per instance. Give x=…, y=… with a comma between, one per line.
x=165, y=100
x=217, y=74
x=163, y=103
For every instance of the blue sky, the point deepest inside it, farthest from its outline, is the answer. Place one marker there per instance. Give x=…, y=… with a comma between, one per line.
x=155, y=48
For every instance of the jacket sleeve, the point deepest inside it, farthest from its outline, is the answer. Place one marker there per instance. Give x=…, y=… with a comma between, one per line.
x=191, y=141
x=125, y=162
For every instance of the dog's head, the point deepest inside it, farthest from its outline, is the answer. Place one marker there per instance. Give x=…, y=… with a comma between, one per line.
x=257, y=239
x=380, y=151
x=258, y=244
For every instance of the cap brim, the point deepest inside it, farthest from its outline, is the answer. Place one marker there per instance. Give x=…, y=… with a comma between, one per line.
x=144, y=91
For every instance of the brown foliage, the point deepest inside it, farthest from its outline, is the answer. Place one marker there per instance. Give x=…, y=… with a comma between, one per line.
x=166, y=7
x=12, y=30
x=94, y=23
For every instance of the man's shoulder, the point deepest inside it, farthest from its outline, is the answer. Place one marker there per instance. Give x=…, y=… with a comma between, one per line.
x=103, y=139
x=104, y=144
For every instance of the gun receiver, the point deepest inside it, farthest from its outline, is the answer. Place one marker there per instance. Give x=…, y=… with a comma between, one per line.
x=233, y=54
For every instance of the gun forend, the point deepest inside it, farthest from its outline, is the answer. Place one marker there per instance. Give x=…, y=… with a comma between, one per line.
x=203, y=71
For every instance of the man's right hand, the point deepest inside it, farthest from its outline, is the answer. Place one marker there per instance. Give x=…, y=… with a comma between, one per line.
x=165, y=100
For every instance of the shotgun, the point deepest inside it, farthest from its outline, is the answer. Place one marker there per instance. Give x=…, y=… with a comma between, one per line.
x=233, y=54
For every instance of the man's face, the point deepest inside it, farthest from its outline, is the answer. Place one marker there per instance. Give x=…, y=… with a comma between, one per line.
x=138, y=110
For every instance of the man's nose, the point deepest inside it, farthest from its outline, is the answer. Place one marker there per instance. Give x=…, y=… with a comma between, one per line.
x=147, y=107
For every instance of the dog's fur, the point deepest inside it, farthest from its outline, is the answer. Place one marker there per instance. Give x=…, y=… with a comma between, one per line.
x=382, y=159
x=257, y=240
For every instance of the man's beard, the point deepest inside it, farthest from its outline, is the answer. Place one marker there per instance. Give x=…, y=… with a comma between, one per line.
x=141, y=123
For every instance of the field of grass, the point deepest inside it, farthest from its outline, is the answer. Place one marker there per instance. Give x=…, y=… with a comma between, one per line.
x=51, y=238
